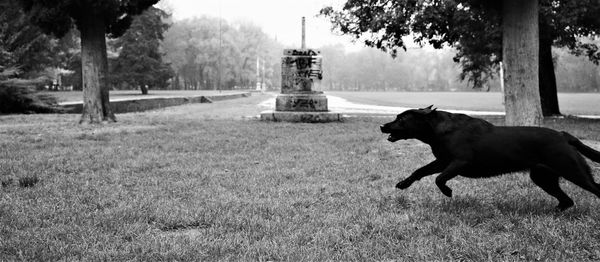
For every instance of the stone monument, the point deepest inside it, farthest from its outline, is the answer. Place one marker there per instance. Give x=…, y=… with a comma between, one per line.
x=301, y=69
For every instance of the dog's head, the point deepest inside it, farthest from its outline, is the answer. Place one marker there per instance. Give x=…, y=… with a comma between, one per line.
x=409, y=124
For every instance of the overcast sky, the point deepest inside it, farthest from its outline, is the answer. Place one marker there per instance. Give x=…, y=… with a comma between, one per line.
x=278, y=18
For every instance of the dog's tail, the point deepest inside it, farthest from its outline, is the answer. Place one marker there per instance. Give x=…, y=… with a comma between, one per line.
x=582, y=148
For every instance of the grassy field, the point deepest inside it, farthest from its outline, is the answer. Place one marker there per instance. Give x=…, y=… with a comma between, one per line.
x=570, y=103
x=202, y=182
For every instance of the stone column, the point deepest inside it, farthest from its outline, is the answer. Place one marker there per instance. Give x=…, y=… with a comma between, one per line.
x=301, y=72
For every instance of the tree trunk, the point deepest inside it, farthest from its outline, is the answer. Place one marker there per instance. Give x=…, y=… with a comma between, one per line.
x=520, y=47
x=144, y=89
x=175, y=82
x=94, y=68
x=548, y=92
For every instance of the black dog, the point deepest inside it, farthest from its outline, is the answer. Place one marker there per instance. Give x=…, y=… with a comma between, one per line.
x=474, y=148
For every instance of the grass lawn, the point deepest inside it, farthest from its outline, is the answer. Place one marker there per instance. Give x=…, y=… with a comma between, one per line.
x=201, y=183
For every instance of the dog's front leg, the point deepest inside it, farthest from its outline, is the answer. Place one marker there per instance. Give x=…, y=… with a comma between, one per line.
x=451, y=171
x=434, y=167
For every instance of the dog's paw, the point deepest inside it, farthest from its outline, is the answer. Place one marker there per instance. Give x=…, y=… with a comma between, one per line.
x=564, y=206
x=404, y=184
x=446, y=191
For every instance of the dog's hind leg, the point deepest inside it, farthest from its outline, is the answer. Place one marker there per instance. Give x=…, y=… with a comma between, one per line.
x=584, y=179
x=434, y=167
x=577, y=171
x=547, y=179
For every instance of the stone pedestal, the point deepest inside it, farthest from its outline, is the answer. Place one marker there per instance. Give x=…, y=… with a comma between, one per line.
x=301, y=69
x=301, y=102
x=304, y=117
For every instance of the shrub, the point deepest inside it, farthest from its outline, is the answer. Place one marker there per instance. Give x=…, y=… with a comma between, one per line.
x=21, y=97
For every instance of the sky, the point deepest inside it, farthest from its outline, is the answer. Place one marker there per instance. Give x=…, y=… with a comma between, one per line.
x=280, y=19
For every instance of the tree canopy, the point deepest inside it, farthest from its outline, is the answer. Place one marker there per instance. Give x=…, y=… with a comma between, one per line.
x=59, y=16
x=22, y=45
x=140, y=61
x=24, y=53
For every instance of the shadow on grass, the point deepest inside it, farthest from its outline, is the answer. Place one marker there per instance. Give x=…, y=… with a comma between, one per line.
x=474, y=210
x=195, y=225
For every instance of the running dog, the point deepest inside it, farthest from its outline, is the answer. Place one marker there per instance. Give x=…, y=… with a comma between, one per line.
x=472, y=147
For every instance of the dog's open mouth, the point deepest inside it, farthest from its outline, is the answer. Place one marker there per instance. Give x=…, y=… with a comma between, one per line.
x=393, y=138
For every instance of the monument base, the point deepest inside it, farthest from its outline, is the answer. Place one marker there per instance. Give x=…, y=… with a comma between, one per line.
x=306, y=117
x=301, y=102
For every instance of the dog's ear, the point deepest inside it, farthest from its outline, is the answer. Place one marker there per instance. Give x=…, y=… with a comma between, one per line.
x=427, y=110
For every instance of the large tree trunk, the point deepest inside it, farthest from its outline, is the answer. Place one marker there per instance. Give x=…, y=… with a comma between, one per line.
x=520, y=48
x=548, y=92
x=94, y=68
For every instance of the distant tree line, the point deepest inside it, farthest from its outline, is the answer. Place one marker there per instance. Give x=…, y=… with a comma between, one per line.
x=210, y=53
x=373, y=70
x=428, y=69
x=575, y=73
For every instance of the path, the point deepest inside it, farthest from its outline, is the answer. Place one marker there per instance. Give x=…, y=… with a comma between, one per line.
x=338, y=104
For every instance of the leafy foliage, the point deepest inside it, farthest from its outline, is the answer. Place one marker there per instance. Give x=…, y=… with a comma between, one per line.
x=474, y=30
x=20, y=97
x=24, y=52
x=140, y=60
x=22, y=45
x=59, y=16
